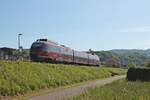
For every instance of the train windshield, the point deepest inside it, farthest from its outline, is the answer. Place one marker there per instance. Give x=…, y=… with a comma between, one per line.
x=37, y=46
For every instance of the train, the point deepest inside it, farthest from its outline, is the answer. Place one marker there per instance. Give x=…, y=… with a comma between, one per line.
x=44, y=50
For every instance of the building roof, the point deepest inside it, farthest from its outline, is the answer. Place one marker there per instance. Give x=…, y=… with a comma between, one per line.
x=7, y=49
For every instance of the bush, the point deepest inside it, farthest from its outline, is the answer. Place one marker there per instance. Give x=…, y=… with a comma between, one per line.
x=142, y=74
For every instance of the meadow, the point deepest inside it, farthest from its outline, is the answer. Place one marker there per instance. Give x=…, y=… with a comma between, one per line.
x=119, y=90
x=17, y=78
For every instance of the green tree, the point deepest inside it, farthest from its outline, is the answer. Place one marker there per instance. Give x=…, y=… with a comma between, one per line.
x=131, y=65
x=147, y=63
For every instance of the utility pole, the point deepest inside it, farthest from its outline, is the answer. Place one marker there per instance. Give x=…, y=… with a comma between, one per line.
x=19, y=47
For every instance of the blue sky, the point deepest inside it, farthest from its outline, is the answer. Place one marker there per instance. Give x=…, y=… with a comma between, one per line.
x=79, y=24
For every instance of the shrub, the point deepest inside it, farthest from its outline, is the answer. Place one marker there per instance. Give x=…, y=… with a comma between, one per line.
x=142, y=74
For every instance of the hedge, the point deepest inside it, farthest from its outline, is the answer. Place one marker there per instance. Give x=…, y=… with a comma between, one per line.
x=142, y=74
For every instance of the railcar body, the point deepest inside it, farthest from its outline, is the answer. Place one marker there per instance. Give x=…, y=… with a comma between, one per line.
x=44, y=50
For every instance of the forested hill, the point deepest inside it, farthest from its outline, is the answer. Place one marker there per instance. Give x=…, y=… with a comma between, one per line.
x=127, y=51
x=124, y=57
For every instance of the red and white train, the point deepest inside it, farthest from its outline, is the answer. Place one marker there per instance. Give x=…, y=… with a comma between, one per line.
x=44, y=50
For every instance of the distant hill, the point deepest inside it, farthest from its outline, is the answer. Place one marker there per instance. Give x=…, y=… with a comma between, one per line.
x=124, y=57
x=124, y=51
x=131, y=51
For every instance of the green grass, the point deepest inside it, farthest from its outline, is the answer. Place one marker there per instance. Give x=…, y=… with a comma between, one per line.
x=20, y=77
x=119, y=90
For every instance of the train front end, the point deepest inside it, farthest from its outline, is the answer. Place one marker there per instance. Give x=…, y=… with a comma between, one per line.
x=38, y=51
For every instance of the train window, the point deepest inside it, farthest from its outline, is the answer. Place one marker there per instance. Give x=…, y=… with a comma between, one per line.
x=37, y=45
x=84, y=55
x=67, y=52
x=70, y=52
x=80, y=54
x=76, y=54
x=53, y=48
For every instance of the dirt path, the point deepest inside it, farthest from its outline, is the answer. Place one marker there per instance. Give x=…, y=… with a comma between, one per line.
x=59, y=95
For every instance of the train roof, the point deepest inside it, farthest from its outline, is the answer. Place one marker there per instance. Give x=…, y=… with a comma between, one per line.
x=53, y=43
x=46, y=40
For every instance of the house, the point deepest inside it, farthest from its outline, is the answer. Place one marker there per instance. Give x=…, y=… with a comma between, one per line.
x=7, y=53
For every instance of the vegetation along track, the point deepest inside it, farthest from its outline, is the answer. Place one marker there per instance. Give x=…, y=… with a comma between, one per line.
x=118, y=90
x=19, y=78
x=59, y=95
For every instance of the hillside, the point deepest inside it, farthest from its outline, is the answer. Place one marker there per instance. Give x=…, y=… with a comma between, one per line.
x=124, y=57
x=131, y=51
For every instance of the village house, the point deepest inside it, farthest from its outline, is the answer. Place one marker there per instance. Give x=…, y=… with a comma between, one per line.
x=7, y=54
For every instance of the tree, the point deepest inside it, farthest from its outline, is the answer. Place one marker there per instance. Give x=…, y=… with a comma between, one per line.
x=131, y=65
x=147, y=63
x=113, y=62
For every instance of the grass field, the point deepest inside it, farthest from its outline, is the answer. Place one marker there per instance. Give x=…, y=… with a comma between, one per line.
x=23, y=77
x=119, y=90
